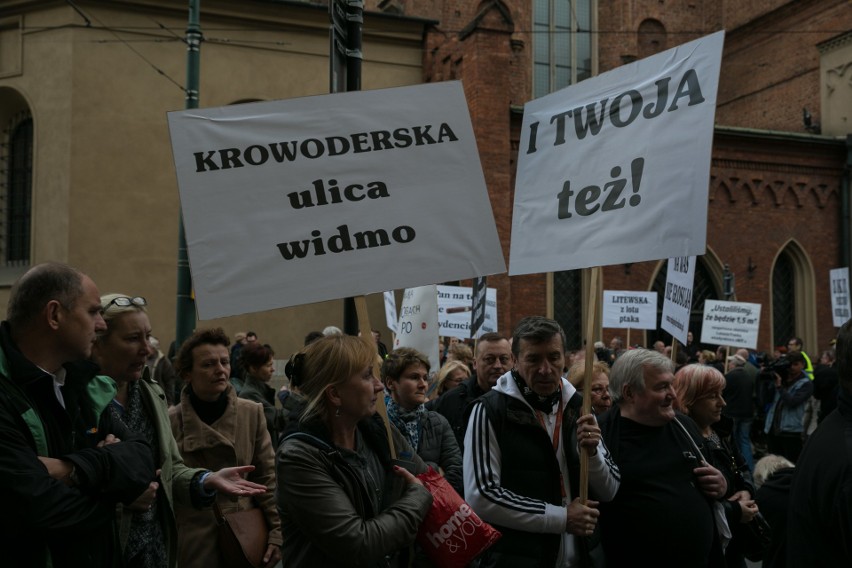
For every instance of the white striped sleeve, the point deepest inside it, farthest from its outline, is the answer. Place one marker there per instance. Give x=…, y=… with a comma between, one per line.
x=482, y=461
x=604, y=475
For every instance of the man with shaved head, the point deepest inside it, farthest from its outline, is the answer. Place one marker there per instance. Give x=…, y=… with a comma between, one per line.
x=63, y=464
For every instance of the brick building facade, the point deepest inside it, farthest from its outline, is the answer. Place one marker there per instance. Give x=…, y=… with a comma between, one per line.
x=778, y=205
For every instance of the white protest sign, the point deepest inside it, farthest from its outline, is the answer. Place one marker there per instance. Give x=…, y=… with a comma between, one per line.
x=636, y=310
x=311, y=199
x=839, y=296
x=677, y=300
x=454, y=306
x=391, y=317
x=418, y=322
x=624, y=156
x=730, y=323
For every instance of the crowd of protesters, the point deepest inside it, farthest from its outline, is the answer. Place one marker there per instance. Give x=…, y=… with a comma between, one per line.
x=114, y=454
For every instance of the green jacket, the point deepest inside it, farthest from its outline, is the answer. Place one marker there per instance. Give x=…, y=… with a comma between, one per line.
x=175, y=476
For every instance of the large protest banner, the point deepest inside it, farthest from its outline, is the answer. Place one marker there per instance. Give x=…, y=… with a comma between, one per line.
x=454, y=307
x=839, y=278
x=730, y=323
x=615, y=169
x=311, y=199
x=418, y=323
x=677, y=300
x=635, y=310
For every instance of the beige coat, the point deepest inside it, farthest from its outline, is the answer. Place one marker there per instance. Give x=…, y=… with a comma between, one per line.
x=239, y=437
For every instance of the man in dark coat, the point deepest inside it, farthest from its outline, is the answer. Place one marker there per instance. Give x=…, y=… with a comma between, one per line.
x=819, y=523
x=739, y=396
x=666, y=491
x=63, y=465
x=493, y=359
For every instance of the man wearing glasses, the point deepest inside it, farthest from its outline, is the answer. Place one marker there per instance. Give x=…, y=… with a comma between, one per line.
x=63, y=464
x=493, y=359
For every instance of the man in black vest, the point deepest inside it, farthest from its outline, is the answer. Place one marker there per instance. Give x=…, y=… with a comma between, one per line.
x=521, y=458
x=493, y=359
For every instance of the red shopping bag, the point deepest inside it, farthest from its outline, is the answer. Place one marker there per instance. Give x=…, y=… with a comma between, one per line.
x=452, y=534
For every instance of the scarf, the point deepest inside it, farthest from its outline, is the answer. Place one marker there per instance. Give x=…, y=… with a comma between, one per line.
x=146, y=542
x=407, y=422
x=542, y=403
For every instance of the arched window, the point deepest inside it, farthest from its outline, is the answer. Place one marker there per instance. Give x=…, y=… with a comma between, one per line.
x=563, y=43
x=783, y=299
x=652, y=37
x=16, y=182
x=19, y=183
x=793, y=297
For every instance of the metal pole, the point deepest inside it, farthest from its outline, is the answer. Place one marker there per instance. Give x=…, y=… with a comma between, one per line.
x=185, y=312
x=350, y=36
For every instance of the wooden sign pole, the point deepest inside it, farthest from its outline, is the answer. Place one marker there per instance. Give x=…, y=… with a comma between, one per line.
x=674, y=350
x=591, y=316
x=367, y=331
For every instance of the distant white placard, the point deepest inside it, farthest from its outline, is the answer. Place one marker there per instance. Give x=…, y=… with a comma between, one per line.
x=311, y=199
x=839, y=296
x=391, y=317
x=624, y=156
x=677, y=299
x=636, y=310
x=454, y=307
x=418, y=322
x=730, y=323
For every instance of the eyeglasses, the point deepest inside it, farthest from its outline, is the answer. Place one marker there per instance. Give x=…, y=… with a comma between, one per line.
x=125, y=302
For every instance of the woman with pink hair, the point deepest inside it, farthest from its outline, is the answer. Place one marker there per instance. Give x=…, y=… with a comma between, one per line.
x=699, y=395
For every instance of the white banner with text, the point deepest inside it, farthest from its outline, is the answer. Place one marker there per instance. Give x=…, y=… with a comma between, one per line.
x=635, y=310
x=730, y=323
x=616, y=168
x=304, y=200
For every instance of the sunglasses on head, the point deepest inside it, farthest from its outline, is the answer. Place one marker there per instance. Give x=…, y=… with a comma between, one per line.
x=126, y=301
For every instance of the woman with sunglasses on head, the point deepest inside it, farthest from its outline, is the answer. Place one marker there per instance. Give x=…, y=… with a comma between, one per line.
x=147, y=528
x=342, y=500
x=215, y=428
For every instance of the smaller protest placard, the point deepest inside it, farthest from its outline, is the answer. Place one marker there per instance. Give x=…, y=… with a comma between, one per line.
x=477, y=310
x=839, y=296
x=730, y=323
x=418, y=322
x=454, y=311
x=677, y=299
x=636, y=310
x=391, y=317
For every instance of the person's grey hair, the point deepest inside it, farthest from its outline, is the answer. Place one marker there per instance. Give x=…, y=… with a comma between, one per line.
x=535, y=329
x=332, y=330
x=629, y=369
x=767, y=466
x=41, y=284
